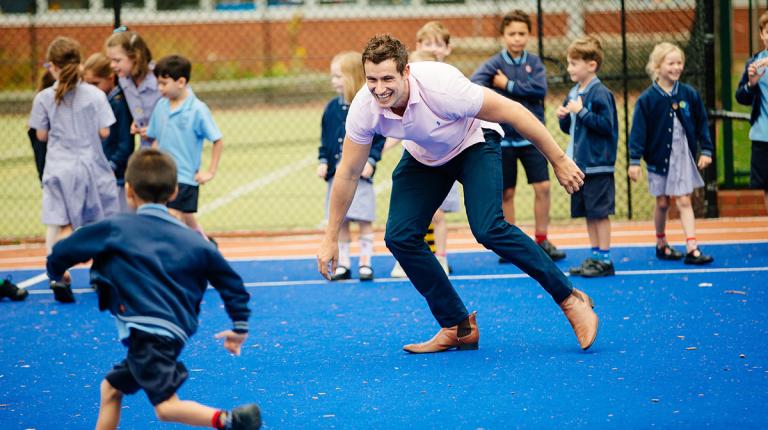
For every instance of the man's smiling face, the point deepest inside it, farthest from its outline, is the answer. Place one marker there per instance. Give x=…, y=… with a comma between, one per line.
x=388, y=86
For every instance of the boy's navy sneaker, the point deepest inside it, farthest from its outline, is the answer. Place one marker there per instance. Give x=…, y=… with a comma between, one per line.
x=246, y=417
x=10, y=290
x=693, y=258
x=62, y=292
x=598, y=268
x=666, y=252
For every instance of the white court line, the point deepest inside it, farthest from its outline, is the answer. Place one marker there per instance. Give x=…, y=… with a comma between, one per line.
x=255, y=185
x=323, y=282
x=33, y=280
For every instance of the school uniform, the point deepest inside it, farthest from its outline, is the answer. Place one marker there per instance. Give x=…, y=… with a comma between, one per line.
x=528, y=86
x=669, y=131
x=78, y=184
x=758, y=119
x=118, y=146
x=594, y=135
x=151, y=273
x=363, y=207
x=141, y=100
x=444, y=143
x=181, y=133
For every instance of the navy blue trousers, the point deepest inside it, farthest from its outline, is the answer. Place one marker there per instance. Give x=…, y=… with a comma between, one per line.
x=417, y=192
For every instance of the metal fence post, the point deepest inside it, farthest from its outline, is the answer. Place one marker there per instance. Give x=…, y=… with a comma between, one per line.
x=625, y=90
x=710, y=86
x=117, y=8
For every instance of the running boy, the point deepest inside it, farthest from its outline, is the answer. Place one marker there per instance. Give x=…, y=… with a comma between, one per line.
x=519, y=75
x=151, y=272
x=179, y=125
x=589, y=115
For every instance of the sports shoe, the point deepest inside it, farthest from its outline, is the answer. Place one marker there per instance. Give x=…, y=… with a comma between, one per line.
x=697, y=257
x=365, y=272
x=551, y=250
x=666, y=252
x=578, y=270
x=342, y=273
x=597, y=269
x=10, y=290
x=397, y=271
x=246, y=417
x=62, y=292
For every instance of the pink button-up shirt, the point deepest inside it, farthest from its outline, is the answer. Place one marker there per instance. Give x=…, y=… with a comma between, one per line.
x=439, y=121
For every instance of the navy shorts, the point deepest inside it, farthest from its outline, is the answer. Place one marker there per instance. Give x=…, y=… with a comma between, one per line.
x=596, y=199
x=186, y=200
x=758, y=176
x=150, y=366
x=534, y=163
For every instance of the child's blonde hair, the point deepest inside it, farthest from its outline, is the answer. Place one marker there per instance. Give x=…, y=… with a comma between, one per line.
x=135, y=48
x=587, y=48
x=64, y=52
x=434, y=30
x=657, y=56
x=99, y=65
x=416, y=56
x=352, y=73
x=763, y=20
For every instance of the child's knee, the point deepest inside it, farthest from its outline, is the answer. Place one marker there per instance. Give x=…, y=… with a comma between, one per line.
x=683, y=202
x=541, y=189
x=662, y=203
x=109, y=393
x=164, y=410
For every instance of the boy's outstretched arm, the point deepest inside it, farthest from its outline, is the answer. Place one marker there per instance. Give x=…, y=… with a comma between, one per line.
x=84, y=244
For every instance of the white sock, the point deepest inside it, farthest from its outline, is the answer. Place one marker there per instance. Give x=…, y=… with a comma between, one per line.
x=344, y=259
x=366, y=247
x=51, y=237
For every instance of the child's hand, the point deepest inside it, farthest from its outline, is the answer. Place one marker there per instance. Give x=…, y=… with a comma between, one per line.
x=232, y=340
x=322, y=170
x=704, y=161
x=755, y=71
x=203, y=177
x=634, y=172
x=500, y=80
x=367, y=171
x=562, y=112
x=135, y=129
x=575, y=105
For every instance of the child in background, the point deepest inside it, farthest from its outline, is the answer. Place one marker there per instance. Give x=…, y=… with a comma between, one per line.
x=519, y=75
x=347, y=78
x=38, y=147
x=132, y=61
x=78, y=184
x=589, y=116
x=180, y=124
x=753, y=90
x=151, y=273
x=118, y=146
x=669, y=130
x=433, y=43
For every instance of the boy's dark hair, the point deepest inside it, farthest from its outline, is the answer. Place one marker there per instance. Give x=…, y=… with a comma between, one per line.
x=587, y=48
x=174, y=67
x=152, y=175
x=384, y=47
x=515, y=16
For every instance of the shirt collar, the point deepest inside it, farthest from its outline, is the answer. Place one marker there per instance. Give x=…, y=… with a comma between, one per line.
x=115, y=91
x=149, y=83
x=157, y=210
x=186, y=103
x=514, y=61
x=672, y=93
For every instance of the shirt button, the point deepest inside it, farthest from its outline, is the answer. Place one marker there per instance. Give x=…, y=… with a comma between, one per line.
x=665, y=160
x=336, y=156
x=669, y=130
x=671, y=114
x=340, y=139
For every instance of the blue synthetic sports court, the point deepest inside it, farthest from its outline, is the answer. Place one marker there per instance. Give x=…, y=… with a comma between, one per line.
x=679, y=347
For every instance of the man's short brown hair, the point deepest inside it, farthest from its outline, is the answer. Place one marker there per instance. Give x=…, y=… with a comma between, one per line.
x=587, y=48
x=383, y=47
x=152, y=175
x=515, y=16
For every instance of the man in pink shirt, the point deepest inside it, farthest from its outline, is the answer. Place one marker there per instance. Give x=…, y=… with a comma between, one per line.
x=440, y=111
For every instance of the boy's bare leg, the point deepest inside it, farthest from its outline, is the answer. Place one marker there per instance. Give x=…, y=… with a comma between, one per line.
x=185, y=411
x=594, y=238
x=109, y=409
x=508, y=205
x=603, y=230
x=541, y=203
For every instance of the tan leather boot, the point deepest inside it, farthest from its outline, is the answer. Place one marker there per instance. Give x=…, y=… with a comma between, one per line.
x=578, y=309
x=447, y=338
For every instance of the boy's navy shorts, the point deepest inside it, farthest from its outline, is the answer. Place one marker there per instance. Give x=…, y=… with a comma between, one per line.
x=150, y=366
x=534, y=163
x=186, y=200
x=596, y=199
x=758, y=176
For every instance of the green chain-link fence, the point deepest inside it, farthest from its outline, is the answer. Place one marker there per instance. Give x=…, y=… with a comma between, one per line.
x=262, y=67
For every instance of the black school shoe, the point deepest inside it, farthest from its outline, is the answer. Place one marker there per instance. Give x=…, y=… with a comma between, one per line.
x=597, y=269
x=246, y=417
x=551, y=250
x=62, y=292
x=10, y=290
x=365, y=272
x=692, y=258
x=578, y=270
x=666, y=252
x=342, y=273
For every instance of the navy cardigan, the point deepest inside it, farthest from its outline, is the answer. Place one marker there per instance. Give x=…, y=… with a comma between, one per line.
x=596, y=134
x=118, y=146
x=527, y=84
x=332, y=138
x=152, y=270
x=652, y=122
x=747, y=95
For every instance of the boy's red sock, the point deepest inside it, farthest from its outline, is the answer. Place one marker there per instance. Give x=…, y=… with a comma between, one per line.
x=216, y=420
x=541, y=237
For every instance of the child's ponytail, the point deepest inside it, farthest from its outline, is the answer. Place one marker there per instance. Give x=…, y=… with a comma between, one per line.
x=64, y=52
